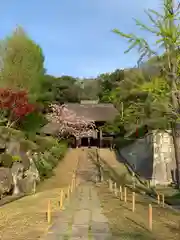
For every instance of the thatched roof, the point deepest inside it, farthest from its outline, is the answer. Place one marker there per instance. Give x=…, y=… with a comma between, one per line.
x=95, y=112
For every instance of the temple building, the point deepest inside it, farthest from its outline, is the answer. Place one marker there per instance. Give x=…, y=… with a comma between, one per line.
x=100, y=113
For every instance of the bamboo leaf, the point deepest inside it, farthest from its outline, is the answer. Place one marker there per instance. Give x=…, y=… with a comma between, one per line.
x=121, y=33
x=144, y=27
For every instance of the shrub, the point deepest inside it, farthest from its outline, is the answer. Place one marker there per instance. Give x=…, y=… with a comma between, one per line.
x=44, y=167
x=50, y=158
x=45, y=143
x=9, y=133
x=26, y=145
x=33, y=122
x=56, y=151
x=6, y=160
x=16, y=158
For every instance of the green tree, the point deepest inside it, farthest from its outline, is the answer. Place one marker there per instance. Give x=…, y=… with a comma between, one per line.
x=163, y=93
x=60, y=89
x=22, y=63
x=109, y=82
x=89, y=89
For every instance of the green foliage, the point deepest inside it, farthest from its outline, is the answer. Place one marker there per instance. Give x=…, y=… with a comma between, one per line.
x=26, y=145
x=44, y=167
x=62, y=89
x=89, y=89
x=56, y=151
x=6, y=160
x=16, y=158
x=22, y=62
x=47, y=161
x=108, y=83
x=121, y=142
x=11, y=133
x=45, y=143
x=149, y=96
x=33, y=122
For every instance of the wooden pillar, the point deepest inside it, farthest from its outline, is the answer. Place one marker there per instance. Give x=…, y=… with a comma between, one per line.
x=78, y=142
x=88, y=142
x=111, y=142
x=100, y=138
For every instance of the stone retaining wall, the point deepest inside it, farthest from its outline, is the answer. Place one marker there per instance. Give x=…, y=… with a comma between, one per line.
x=152, y=157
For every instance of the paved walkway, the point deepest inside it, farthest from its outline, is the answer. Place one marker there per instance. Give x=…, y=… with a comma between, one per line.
x=82, y=217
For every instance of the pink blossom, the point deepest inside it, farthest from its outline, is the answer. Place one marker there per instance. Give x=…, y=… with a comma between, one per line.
x=69, y=122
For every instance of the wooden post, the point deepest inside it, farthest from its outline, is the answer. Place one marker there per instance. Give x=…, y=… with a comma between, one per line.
x=61, y=199
x=110, y=185
x=115, y=189
x=158, y=199
x=49, y=212
x=68, y=192
x=71, y=188
x=121, y=193
x=77, y=183
x=163, y=200
x=150, y=217
x=74, y=182
x=125, y=194
x=133, y=201
x=100, y=138
x=96, y=179
x=102, y=178
x=133, y=180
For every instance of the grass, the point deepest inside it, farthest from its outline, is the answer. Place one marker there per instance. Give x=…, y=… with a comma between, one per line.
x=130, y=226
x=123, y=222
x=25, y=219
x=172, y=195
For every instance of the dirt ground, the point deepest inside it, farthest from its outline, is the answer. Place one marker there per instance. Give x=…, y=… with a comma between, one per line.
x=25, y=219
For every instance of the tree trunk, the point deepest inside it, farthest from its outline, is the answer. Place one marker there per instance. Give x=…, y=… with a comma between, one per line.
x=176, y=143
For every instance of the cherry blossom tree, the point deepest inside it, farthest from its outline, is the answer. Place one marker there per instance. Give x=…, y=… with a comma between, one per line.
x=69, y=122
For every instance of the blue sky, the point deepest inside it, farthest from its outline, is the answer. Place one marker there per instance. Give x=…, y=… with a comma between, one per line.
x=75, y=35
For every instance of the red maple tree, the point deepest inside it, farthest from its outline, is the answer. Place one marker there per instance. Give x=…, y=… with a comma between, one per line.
x=15, y=104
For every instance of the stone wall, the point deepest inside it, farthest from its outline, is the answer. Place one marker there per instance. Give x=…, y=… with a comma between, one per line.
x=164, y=160
x=152, y=157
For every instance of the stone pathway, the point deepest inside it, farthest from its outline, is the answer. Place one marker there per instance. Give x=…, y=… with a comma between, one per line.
x=82, y=217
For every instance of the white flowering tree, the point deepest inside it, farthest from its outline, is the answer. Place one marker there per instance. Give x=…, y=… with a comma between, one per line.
x=69, y=122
